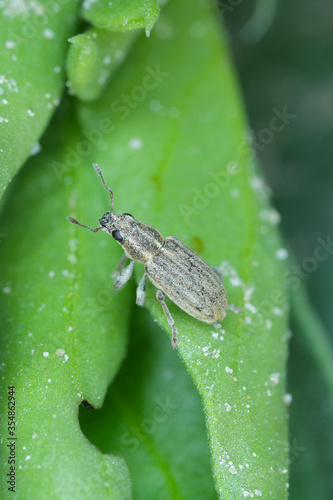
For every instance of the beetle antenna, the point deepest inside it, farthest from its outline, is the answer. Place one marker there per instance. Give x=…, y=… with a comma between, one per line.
x=74, y=221
x=98, y=170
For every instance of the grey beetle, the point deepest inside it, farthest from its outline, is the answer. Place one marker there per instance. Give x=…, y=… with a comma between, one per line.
x=175, y=270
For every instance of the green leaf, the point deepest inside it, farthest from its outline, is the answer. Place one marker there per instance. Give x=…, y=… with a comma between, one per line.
x=169, y=134
x=197, y=181
x=122, y=15
x=63, y=334
x=156, y=418
x=33, y=41
x=92, y=59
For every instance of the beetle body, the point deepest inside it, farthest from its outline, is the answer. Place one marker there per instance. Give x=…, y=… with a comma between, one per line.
x=171, y=266
x=176, y=270
x=188, y=281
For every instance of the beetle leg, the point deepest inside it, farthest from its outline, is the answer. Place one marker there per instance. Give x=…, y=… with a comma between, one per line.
x=160, y=297
x=124, y=276
x=218, y=272
x=119, y=266
x=140, y=291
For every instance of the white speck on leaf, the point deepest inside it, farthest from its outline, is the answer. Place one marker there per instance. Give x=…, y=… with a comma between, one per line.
x=277, y=311
x=275, y=378
x=155, y=105
x=72, y=258
x=232, y=469
x=10, y=44
x=248, y=293
x=250, y=307
x=287, y=398
x=135, y=143
x=271, y=216
x=282, y=254
x=48, y=33
x=36, y=148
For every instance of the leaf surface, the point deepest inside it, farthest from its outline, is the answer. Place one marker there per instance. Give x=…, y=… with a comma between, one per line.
x=61, y=341
x=33, y=41
x=170, y=136
x=193, y=176
x=122, y=15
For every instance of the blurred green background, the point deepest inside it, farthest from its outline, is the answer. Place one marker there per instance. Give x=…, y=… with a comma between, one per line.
x=283, y=55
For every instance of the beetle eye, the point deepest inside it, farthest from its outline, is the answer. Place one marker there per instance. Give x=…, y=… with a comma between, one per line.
x=117, y=236
x=129, y=215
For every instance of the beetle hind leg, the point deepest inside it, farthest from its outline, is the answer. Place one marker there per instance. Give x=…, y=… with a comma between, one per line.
x=140, y=291
x=160, y=297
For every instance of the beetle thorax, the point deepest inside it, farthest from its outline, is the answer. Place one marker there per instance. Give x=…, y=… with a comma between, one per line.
x=140, y=241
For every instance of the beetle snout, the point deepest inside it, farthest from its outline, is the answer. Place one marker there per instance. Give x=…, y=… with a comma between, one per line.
x=106, y=219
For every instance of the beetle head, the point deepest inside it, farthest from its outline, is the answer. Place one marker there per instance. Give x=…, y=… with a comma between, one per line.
x=118, y=225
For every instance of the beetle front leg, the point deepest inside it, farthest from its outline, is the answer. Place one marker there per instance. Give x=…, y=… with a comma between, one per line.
x=140, y=291
x=160, y=297
x=124, y=276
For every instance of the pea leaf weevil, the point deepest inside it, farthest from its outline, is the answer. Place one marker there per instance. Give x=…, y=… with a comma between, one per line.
x=175, y=270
